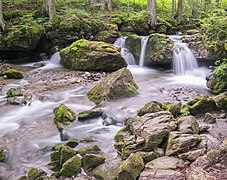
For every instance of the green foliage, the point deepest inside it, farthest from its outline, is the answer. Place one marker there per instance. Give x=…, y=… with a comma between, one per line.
x=221, y=68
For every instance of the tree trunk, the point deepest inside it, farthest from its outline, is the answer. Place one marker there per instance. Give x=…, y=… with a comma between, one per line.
x=179, y=11
x=195, y=8
x=152, y=10
x=103, y=4
x=50, y=8
x=173, y=8
x=2, y=24
x=110, y=5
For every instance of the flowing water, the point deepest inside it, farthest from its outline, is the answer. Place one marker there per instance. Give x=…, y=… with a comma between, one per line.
x=29, y=132
x=126, y=54
x=144, y=40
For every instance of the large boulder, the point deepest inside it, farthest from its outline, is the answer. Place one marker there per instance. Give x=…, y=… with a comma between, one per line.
x=131, y=167
x=118, y=84
x=92, y=56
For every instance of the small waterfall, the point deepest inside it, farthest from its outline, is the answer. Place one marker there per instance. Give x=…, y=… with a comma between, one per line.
x=55, y=58
x=144, y=40
x=126, y=54
x=183, y=58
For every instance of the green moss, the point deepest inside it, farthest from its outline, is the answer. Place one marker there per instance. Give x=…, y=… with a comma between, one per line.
x=93, y=113
x=89, y=150
x=71, y=167
x=72, y=143
x=13, y=74
x=35, y=173
x=14, y=92
x=175, y=109
x=2, y=155
x=150, y=107
x=90, y=161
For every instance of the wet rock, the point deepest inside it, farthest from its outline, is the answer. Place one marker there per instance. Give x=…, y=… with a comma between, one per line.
x=73, y=143
x=147, y=156
x=2, y=155
x=12, y=74
x=131, y=167
x=163, y=168
x=150, y=107
x=14, y=92
x=89, y=150
x=16, y=100
x=108, y=170
x=210, y=166
x=92, y=56
x=90, y=161
x=118, y=84
x=152, y=127
x=203, y=128
x=63, y=115
x=71, y=167
x=188, y=125
x=202, y=104
x=209, y=118
x=221, y=100
x=192, y=155
x=175, y=109
x=35, y=173
x=39, y=64
x=93, y=113
x=178, y=142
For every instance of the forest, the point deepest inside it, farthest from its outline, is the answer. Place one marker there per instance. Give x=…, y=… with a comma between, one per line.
x=113, y=89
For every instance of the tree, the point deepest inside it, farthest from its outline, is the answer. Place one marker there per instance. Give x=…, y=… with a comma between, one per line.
x=2, y=24
x=179, y=11
x=49, y=6
x=110, y=5
x=151, y=4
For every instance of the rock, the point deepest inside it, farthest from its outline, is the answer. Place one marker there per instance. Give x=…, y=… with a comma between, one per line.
x=89, y=150
x=163, y=168
x=92, y=56
x=13, y=74
x=175, y=109
x=73, y=143
x=166, y=163
x=17, y=100
x=178, y=142
x=221, y=100
x=209, y=118
x=202, y=104
x=14, y=92
x=188, y=125
x=192, y=155
x=152, y=127
x=147, y=156
x=208, y=142
x=2, y=155
x=93, y=113
x=108, y=170
x=90, y=161
x=63, y=115
x=131, y=167
x=118, y=84
x=150, y=107
x=71, y=167
x=35, y=173
x=203, y=128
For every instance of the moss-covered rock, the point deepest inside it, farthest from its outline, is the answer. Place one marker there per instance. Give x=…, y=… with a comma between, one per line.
x=90, y=161
x=13, y=74
x=2, y=155
x=175, y=109
x=221, y=100
x=73, y=143
x=63, y=115
x=150, y=107
x=131, y=167
x=89, y=150
x=35, y=173
x=93, y=113
x=71, y=167
x=118, y=84
x=92, y=56
x=14, y=92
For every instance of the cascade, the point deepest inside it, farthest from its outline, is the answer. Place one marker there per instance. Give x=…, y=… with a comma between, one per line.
x=126, y=54
x=55, y=58
x=183, y=58
x=144, y=40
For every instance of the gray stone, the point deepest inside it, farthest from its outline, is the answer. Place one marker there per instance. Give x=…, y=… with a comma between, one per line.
x=192, y=155
x=209, y=118
x=148, y=156
x=188, y=125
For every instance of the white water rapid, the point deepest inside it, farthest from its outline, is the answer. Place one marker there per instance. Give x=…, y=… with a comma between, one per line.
x=126, y=54
x=183, y=59
x=144, y=40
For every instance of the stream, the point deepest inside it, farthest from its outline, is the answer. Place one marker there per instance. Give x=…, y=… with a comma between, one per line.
x=28, y=132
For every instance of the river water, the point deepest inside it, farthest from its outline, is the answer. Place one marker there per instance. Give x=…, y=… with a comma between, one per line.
x=29, y=132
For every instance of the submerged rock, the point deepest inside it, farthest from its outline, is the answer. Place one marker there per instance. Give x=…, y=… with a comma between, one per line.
x=92, y=56
x=150, y=107
x=93, y=113
x=63, y=115
x=12, y=74
x=118, y=84
x=131, y=167
x=90, y=161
